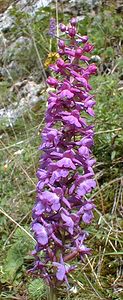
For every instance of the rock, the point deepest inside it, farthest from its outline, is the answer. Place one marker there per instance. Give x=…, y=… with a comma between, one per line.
x=27, y=96
x=6, y=20
x=31, y=6
x=3, y=74
x=16, y=49
x=119, y=9
x=76, y=7
x=17, y=54
x=18, y=58
x=3, y=44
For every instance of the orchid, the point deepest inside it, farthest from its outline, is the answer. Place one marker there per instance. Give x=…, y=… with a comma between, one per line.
x=66, y=178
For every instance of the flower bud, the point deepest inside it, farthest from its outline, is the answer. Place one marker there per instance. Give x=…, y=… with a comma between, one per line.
x=92, y=69
x=62, y=27
x=88, y=47
x=78, y=52
x=72, y=31
x=61, y=44
x=60, y=62
x=84, y=38
x=73, y=21
x=52, y=81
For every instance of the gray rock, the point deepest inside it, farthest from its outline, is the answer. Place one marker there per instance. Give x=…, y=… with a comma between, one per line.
x=4, y=73
x=17, y=58
x=31, y=6
x=6, y=20
x=27, y=96
x=3, y=44
x=17, y=48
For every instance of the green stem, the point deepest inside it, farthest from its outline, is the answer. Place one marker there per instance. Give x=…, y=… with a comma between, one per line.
x=52, y=294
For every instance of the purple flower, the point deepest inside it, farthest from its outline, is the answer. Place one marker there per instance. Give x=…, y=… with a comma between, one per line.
x=65, y=174
x=61, y=44
x=66, y=163
x=85, y=187
x=86, y=212
x=67, y=220
x=60, y=274
x=40, y=233
x=48, y=201
x=52, y=81
x=62, y=270
x=66, y=94
x=52, y=29
x=73, y=21
x=62, y=27
x=72, y=31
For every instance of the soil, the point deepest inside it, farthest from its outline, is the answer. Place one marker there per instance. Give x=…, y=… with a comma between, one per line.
x=4, y=5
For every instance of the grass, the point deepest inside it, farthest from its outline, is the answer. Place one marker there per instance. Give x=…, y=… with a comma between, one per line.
x=99, y=276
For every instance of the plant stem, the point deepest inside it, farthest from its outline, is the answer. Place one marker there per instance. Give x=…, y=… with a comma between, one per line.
x=52, y=294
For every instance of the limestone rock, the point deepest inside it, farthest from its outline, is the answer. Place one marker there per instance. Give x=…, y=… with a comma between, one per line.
x=17, y=57
x=6, y=20
x=27, y=94
x=27, y=6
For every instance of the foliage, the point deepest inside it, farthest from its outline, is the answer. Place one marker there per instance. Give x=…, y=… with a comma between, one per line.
x=36, y=289
x=108, y=146
x=16, y=256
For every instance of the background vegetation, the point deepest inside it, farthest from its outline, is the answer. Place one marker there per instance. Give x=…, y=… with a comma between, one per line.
x=99, y=277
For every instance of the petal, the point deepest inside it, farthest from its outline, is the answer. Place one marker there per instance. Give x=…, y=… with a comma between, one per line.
x=87, y=217
x=38, y=209
x=66, y=93
x=66, y=162
x=86, y=187
x=72, y=120
x=91, y=111
x=84, y=151
x=40, y=233
x=60, y=274
x=68, y=222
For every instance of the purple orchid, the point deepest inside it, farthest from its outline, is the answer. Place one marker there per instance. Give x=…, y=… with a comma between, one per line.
x=62, y=270
x=66, y=178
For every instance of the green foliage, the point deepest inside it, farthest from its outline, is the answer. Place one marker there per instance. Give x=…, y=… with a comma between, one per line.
x=14, y=265
x=36, y=289
x=109, y=108
x=4, y=92
x=105, y=32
